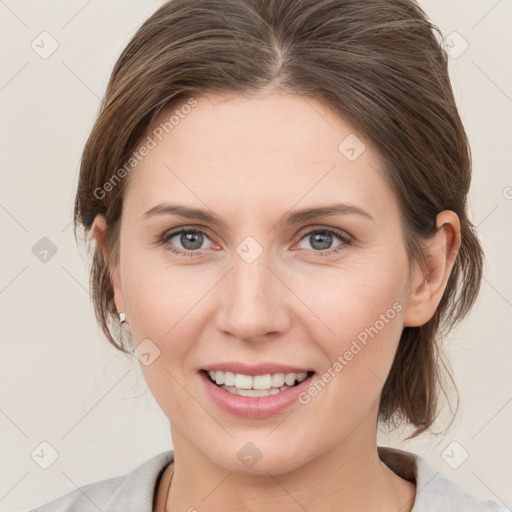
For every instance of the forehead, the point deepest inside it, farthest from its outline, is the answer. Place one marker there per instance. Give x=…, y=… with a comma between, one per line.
x=288, y=126
x=269, y=150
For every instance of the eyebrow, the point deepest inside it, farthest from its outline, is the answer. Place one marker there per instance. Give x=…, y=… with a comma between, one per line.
x=293, y=217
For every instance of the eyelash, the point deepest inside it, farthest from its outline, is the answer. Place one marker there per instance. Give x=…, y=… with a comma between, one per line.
x=339, y=234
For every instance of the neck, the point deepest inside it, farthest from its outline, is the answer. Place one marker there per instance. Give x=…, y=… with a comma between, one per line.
x=349, y=476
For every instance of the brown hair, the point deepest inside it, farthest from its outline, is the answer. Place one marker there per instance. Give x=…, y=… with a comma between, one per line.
x=377, y=63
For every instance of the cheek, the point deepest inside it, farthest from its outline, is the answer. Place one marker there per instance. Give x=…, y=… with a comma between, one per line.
x=358, y=360
x=165, y=304
x=363, y=310
x=163, y=300
x=350, y=300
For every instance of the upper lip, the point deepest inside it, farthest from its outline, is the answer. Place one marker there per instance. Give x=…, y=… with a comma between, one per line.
x=255, y=369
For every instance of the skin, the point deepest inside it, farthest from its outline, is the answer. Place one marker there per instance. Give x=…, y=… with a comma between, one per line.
x=251, y=160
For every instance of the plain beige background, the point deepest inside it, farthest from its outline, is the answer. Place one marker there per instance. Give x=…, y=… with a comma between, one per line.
x=62, y=384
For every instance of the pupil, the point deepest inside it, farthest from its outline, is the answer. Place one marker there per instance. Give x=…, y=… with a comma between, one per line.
x=325, y=237
x=186, y=238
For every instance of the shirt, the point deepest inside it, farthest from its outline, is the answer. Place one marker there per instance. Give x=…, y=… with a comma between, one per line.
x=137, y=490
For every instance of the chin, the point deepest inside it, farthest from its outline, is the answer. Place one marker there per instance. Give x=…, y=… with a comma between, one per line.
x=257, y=454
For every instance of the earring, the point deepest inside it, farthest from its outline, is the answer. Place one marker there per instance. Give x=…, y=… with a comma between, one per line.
x=122, y=318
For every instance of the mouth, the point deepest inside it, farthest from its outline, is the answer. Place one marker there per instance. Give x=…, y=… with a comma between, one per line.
x=257, y=385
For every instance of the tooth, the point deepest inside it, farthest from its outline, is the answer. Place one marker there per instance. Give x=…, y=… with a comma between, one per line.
x=301, y=376
x=229, y=378
x=277, y=380
x=262, y=381
x=258, y=382
x=253, y=392
x=243, y=381
x=290, y=379
x=231, y=389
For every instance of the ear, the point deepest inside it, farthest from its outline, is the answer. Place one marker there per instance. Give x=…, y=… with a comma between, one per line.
x=99, y=231
x=427, y=290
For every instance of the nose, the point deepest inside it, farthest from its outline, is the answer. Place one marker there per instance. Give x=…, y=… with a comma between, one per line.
x=254, y=301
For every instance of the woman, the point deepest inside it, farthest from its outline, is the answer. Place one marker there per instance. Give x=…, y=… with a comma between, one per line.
x=277, y=192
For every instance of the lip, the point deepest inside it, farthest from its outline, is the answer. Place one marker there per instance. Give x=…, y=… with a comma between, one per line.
x=255, y=369
x=257, y=406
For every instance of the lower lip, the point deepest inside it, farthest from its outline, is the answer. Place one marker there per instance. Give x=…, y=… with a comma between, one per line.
x=254, y=406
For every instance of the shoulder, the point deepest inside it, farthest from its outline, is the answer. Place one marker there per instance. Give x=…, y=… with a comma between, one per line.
x=133, y=491
x=434, y=493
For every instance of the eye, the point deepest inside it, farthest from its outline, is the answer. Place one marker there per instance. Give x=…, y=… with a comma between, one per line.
x=321, y=239
x=190, y=239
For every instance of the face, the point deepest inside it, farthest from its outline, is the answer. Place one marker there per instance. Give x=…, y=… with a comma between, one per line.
x=326, y=294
